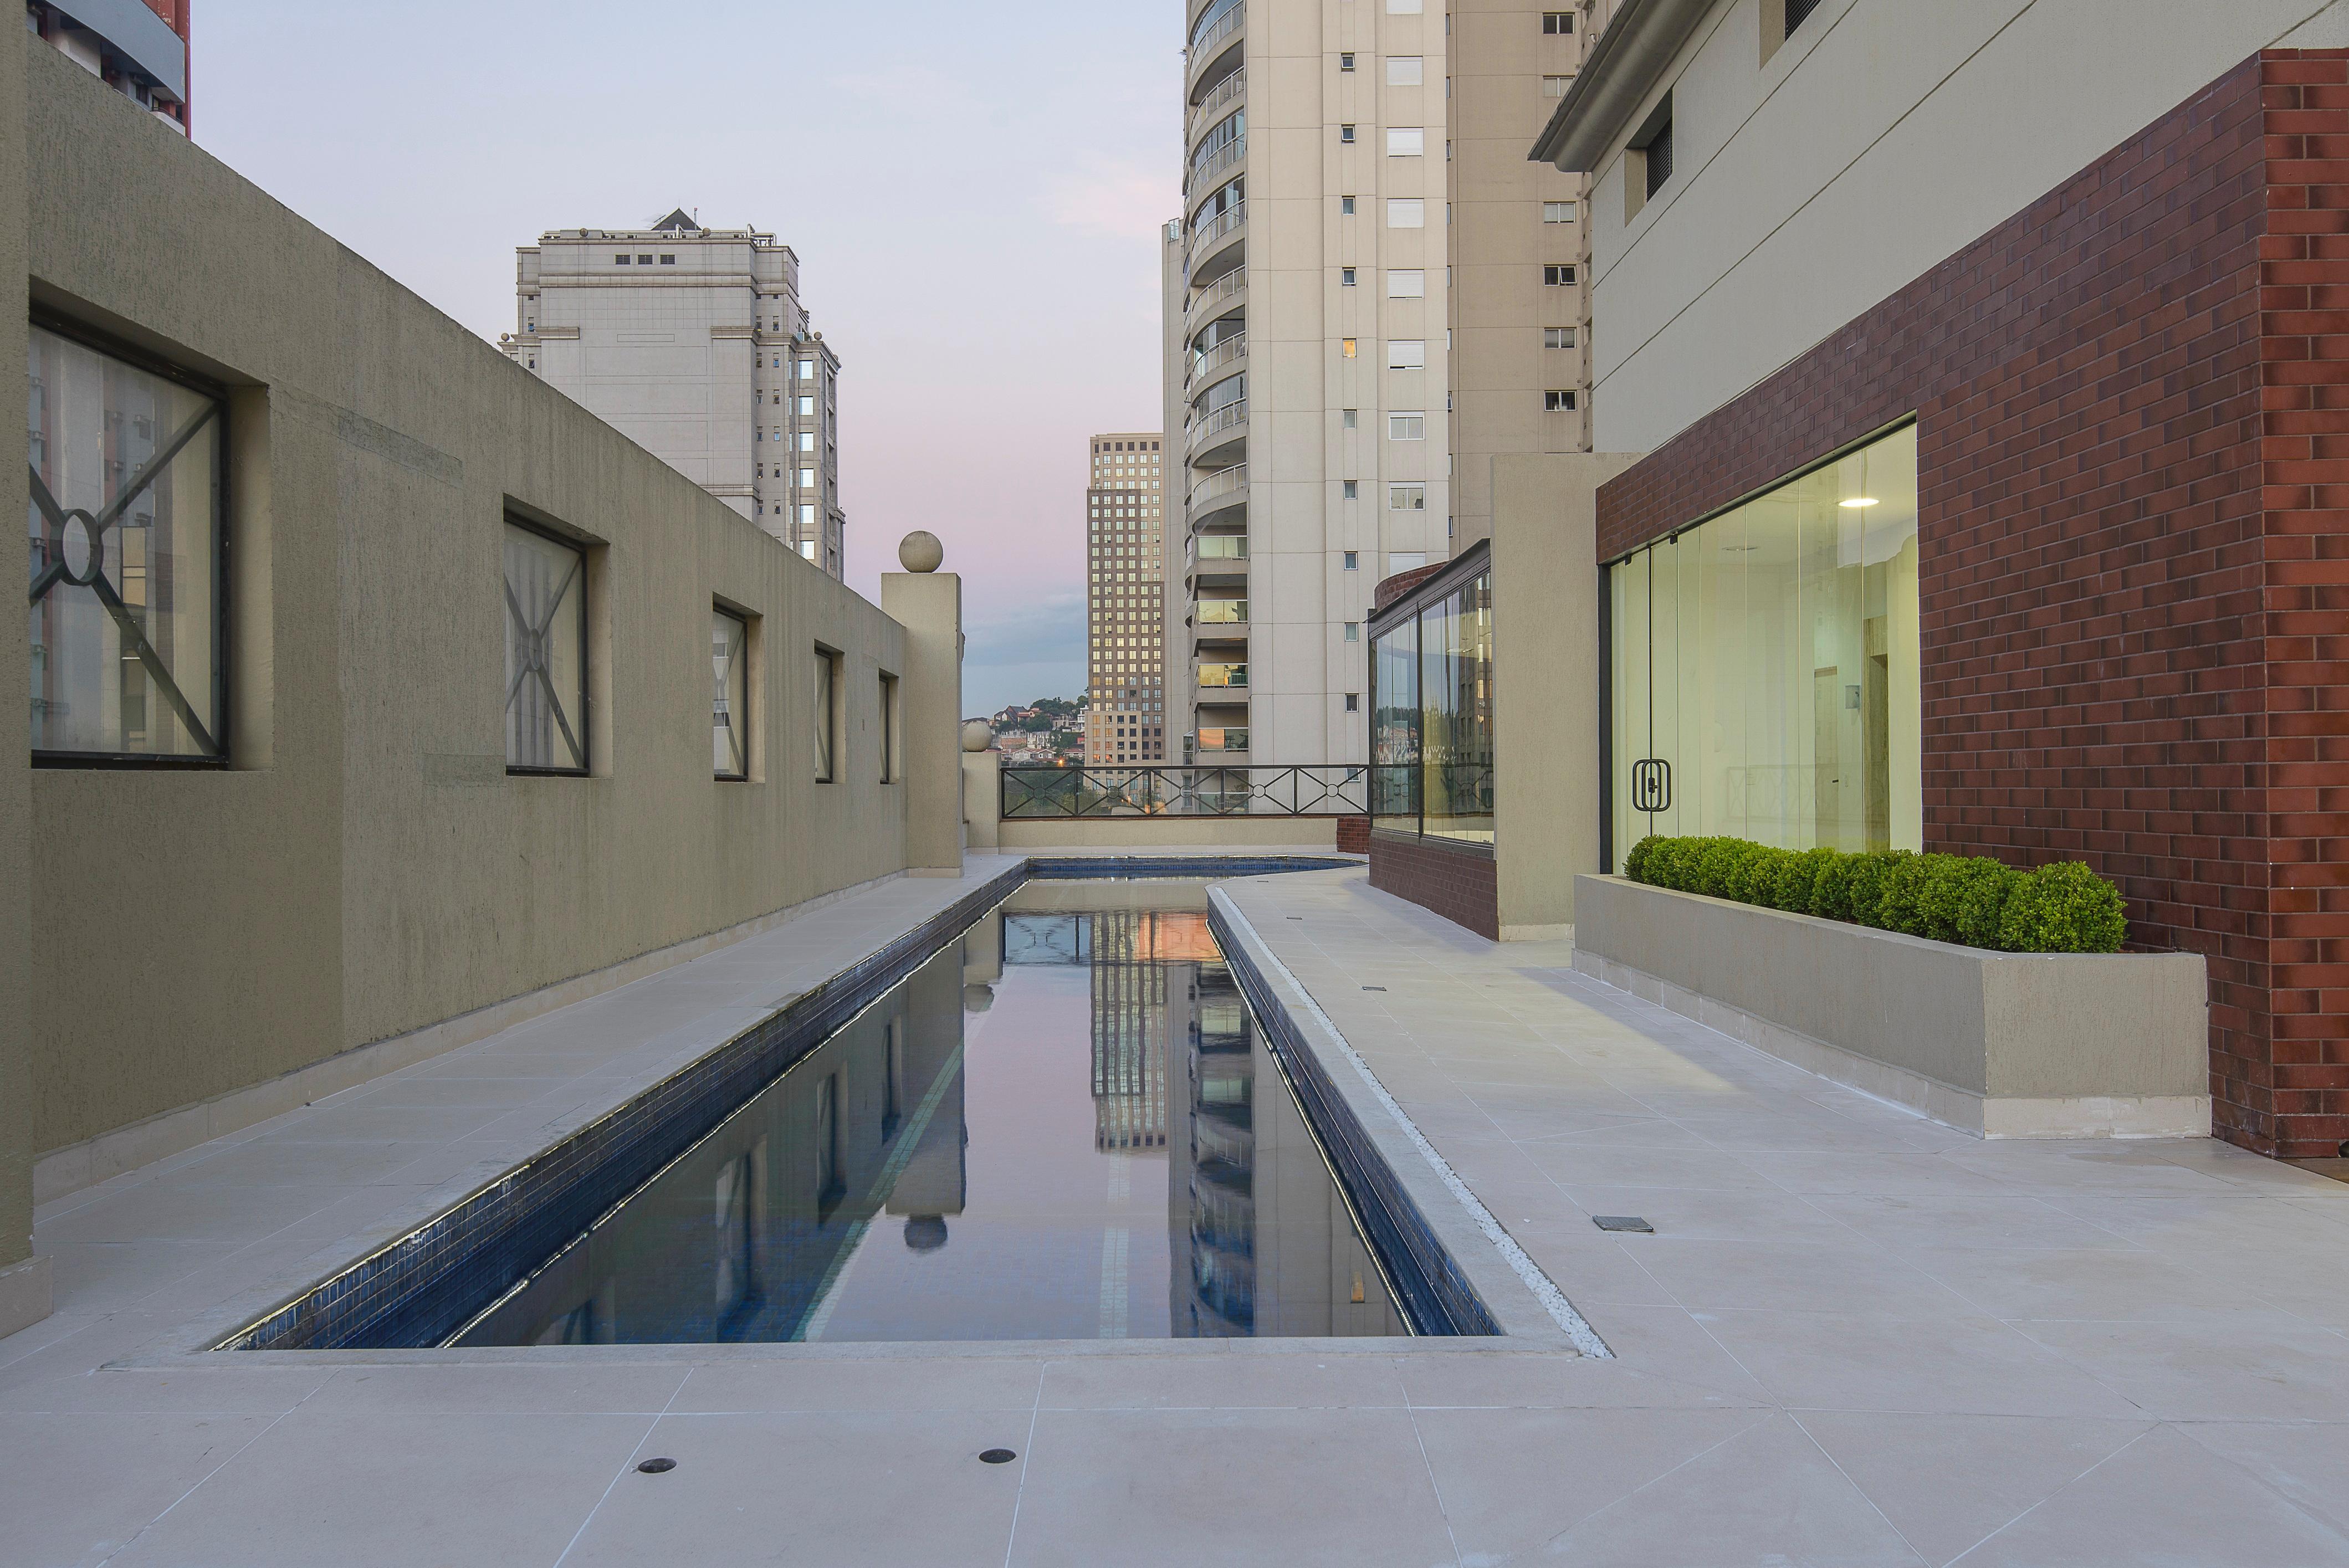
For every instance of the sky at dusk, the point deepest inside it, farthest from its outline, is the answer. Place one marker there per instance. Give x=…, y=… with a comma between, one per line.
x=974, y=194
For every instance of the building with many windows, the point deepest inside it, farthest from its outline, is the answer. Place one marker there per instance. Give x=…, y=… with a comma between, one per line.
x=138, y=47
x=693, y=343
x=1372, y=293
x=1125, y=602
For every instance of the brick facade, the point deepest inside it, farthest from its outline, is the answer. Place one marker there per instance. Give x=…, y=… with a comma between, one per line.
x=1354, y=835
x=2132, y=406
x=1458, y=883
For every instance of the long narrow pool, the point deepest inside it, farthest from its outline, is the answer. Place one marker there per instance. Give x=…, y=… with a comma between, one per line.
x=1063, y=1125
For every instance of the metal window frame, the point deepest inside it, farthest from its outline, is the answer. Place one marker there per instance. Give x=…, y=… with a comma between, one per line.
x=739, y=724
x=220, y=758
x=586, y=736
x=832, y=728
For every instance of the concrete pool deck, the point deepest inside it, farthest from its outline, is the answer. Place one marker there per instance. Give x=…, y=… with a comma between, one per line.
x=1855, y=1337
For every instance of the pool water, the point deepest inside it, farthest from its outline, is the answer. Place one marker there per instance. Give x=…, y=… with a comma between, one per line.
x=1063, y=1126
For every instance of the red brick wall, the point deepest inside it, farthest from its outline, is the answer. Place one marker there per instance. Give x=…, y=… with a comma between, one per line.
x=2133, y=448
x=1459, y=884
x=1354, y=835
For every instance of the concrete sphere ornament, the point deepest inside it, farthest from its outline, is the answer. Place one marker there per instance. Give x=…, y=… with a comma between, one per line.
x=921, y=552
x=976, y=736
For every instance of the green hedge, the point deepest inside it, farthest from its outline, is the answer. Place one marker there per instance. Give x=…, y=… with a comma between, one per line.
x=1969, y=899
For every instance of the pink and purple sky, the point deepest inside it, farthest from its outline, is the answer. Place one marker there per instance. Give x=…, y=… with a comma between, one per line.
x=974, y=194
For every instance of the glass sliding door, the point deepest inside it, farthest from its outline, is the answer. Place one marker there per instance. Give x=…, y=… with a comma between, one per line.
x=1765, y=667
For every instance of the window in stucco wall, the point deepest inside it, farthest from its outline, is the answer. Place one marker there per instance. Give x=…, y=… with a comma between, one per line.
x=546, y=652
x=127, y=566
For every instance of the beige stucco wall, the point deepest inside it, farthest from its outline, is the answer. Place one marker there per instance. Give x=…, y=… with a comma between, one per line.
x=1882, y=137
x=1546, y=698
x=930, y=606
x=366, y=867
x=15, y=769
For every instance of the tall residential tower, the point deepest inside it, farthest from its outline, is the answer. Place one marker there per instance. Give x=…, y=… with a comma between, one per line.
x=1126, y=601
x=1377, y=293
x=693, y=343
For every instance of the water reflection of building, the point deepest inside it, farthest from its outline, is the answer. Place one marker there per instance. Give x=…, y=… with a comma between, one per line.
x=1134, y=954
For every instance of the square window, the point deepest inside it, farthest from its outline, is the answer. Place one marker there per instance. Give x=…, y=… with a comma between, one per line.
x=807, y=404
x=1406, y=141
x=1406, y=283
x=807, y=477
x=1561, y=402
x=125, y=616
x=619, y=261
x=730, y=711
x=546, y=653
x=1345, y=133
x=1353, y=702
x=668, y=261
x=827, y=727
x=644, y=261
x=807, y=441
x=1558, y=337
x=1557, y=22
x=1352, y=489
x=1346, y=61
x=807, y=369
x=1558, y=278
x=1558, y=211
x=1406, y=354
x=1406, y=212
x=1346, y=347
x=1555, y=86
x=1353, y=560
x=1412, y=497
x=1346, y=277
x=1351, y=417
x=1353, y=631
x=1345, y=206
x=1405, y=70
x=1406, y=427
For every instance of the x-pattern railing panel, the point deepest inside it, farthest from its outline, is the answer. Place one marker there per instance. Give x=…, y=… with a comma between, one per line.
x=1332, y=790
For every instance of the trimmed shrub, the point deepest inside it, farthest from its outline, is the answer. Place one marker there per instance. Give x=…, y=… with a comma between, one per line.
x=1969, y=899
x=2062, y=907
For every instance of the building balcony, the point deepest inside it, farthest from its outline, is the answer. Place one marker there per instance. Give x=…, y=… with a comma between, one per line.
x=1228, y=295
x=1219, y=243
x=1215, y=499
x=1209, y=365
x=1215, y=54
x=1221, y=682
x=1222, y=98
x=1206, y=172
x=1215, y=561
x=1219, y=437
x=1222, y=743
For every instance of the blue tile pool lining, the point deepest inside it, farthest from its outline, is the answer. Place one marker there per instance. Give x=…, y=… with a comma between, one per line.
x=416, y=1290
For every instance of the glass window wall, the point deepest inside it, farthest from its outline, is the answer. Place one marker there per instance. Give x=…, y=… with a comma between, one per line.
x=1765, y=666
x=1431, y=718
x=546, y=653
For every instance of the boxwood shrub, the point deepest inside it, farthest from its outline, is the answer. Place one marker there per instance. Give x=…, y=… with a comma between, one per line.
x=1969, y=899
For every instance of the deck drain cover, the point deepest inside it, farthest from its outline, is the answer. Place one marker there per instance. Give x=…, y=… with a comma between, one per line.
x=997, y=1457
x=1621, y=1222
x=655, y=1466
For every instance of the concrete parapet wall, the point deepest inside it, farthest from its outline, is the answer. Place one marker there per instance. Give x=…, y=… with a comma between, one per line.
x=2002, y=1044
x=1167, y=832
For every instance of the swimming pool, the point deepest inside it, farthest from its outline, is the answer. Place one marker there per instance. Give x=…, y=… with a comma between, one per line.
x=1049, y=1114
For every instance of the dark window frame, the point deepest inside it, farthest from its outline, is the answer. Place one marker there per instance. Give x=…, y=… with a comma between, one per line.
x=101, y=342
x=510, y=517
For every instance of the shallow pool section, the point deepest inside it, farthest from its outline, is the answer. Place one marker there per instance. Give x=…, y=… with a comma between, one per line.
x=1064, y=1125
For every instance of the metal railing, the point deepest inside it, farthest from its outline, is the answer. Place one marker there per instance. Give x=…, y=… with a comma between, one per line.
x=1231, y=414
x=1205, y=114
x=1224, y=552
x=1217, y=485
x=1203, y=47
x=1206, y=235
x=1231, y=284
x=1207, y=166
x=1332, y=790
x=1206, y=361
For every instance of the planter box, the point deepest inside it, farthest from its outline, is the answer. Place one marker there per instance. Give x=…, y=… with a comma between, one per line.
x=2006, y=1045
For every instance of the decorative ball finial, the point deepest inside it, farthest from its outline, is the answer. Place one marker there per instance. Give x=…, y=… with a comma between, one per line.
x=921, y=552
x=977, y=736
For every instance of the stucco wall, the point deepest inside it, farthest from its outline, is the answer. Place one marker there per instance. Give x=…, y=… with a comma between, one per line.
x=1881, y=137
x=366, y=867
x=16, y=771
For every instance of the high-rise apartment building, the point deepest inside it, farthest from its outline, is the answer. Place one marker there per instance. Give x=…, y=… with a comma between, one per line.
x=140, y=47
x=1377, y=293
x=693, y=343
x=1125, y=600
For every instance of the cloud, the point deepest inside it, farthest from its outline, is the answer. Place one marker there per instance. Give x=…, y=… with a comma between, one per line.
x=1115, y=198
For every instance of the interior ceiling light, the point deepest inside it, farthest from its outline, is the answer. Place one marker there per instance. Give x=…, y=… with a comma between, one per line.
x=1860, y=501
